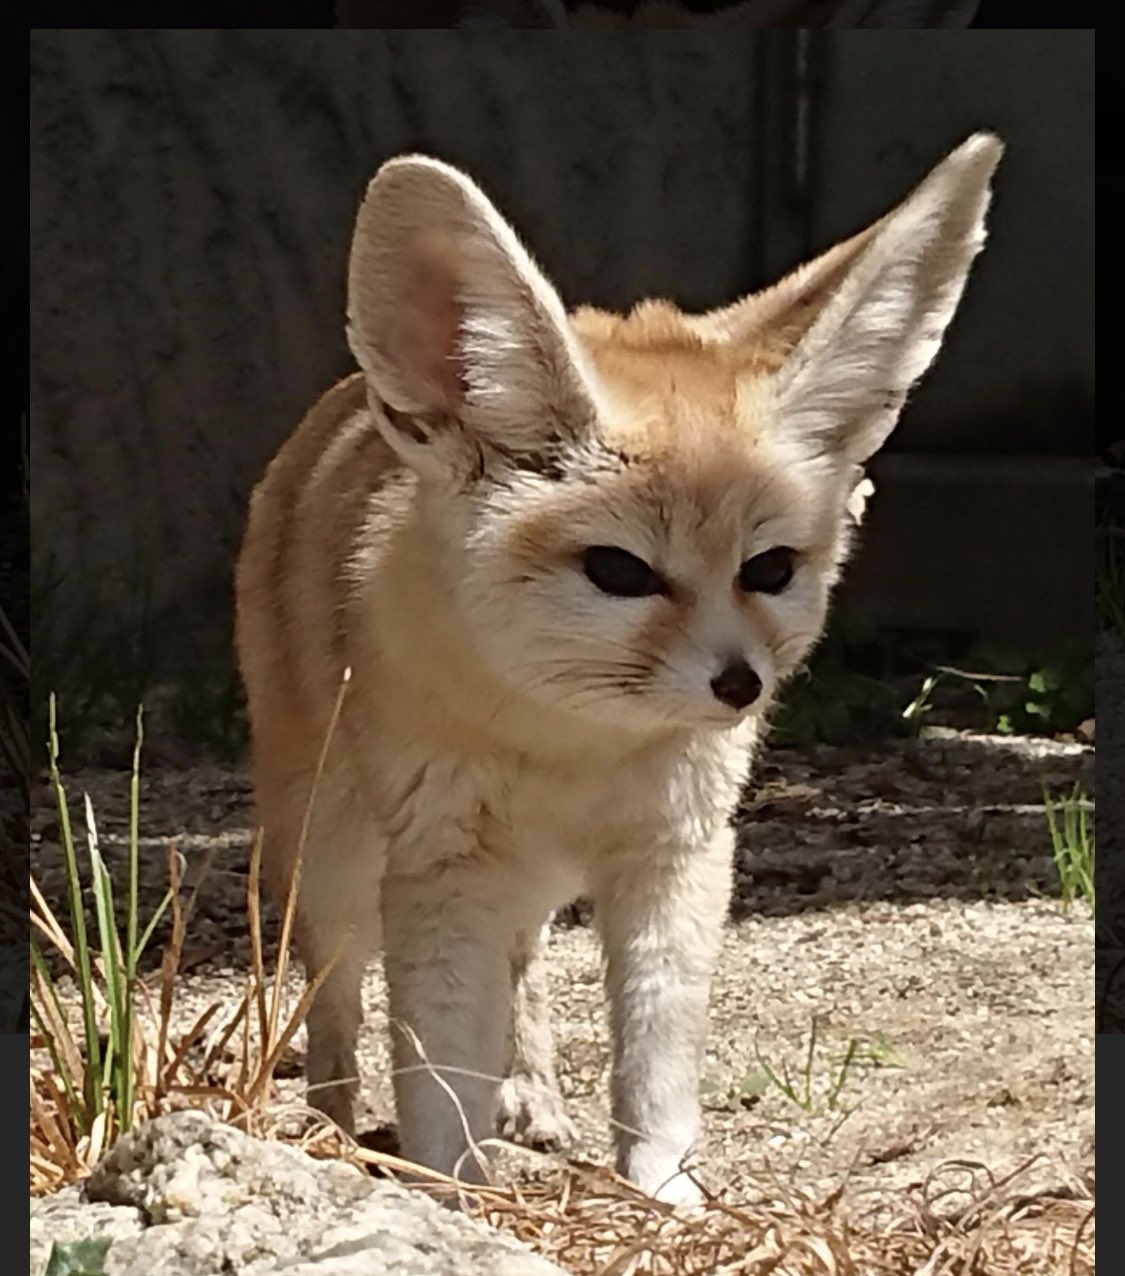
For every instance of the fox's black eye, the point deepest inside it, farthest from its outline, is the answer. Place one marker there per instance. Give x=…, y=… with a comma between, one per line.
x=617, y=572
x=769, y=572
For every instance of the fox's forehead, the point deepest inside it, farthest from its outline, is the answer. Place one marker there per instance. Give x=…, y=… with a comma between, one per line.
x=685, y=466
x=712, y=494
x=688, y=523
x=660, y=328
x=668, y=385
x=706, y=497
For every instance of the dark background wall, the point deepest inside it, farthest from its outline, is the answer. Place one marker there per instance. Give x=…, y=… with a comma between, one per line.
x=192, y=202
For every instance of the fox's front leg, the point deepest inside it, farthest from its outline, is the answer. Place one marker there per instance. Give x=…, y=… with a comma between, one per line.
x=661, y=918
x=529, y=1106
x=446, y=960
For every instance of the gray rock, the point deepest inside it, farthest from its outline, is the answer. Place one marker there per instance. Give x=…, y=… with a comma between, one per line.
x=185, y=1196
x=68, y=1216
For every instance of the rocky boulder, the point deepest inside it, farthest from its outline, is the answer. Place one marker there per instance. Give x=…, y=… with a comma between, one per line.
x=185, y=1196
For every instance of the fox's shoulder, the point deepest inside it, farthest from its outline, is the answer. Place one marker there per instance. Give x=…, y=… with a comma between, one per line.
x=338, y=422
x=333, y=466
x=332, y=496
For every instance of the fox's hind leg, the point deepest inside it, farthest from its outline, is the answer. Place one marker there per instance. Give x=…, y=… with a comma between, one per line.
x=529, y=1107
x=333, y=1023
x=336, y=929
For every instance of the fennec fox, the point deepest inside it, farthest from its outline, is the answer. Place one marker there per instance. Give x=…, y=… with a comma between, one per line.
x=569, y=560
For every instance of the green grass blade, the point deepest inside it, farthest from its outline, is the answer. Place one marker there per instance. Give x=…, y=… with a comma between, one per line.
x=808, y=1070
x=840, y=1080
x=782, y=1083
x=153, y=922
x=1072, y=843
x=116, y=1072
x=134, y=840
x=132, y=953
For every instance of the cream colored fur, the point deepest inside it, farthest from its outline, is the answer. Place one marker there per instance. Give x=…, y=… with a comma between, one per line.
x=512, y=735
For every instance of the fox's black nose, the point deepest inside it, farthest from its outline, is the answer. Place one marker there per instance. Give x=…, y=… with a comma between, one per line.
x=736, y=684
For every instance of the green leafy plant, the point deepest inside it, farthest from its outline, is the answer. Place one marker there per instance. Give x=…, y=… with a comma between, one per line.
x=1056, y=698
x=866, y=685
x=1022, y=696
x=78, y=1258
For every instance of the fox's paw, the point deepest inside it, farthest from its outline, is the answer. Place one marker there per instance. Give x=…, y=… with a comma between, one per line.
x=530, y=1110
x=681, y=1191
x=666, y=1178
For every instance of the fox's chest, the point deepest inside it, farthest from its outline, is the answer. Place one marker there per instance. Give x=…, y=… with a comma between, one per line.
x=553, y=822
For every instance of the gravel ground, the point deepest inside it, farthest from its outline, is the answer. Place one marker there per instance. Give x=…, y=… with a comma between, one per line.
x=901, y=897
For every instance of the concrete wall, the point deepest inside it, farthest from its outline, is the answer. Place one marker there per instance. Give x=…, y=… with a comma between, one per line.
x=985, y=512
x=1017, y=370
x=192, y=202
x=193, y=195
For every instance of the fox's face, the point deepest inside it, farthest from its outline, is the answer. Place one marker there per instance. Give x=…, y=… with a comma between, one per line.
x=641, y=518
x=669, y=566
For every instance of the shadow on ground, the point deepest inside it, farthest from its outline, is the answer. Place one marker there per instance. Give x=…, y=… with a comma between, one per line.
x=952, y=816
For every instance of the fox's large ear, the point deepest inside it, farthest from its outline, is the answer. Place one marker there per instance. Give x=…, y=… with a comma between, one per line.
x=456, y=329
x=859, y=325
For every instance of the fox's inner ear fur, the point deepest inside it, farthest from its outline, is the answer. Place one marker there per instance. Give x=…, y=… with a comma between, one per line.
x=455, y=327
x=860, y=324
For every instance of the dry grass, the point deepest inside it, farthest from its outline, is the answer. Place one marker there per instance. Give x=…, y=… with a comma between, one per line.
x=597, y=1224
x=962, y=1221
x=224, y=1063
